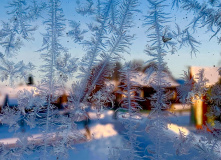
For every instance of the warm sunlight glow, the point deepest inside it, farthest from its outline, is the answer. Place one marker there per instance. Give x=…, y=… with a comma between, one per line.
x=176, y=129
x=103, y=131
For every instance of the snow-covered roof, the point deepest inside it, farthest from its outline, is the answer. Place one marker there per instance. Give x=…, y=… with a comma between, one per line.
x=143, y=81
x=12, y=91
x=210, y=73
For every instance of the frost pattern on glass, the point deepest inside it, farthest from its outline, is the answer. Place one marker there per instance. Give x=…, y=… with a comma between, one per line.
x=110, y=38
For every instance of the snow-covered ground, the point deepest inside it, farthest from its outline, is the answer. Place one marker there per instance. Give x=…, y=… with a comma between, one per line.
x=107, y=132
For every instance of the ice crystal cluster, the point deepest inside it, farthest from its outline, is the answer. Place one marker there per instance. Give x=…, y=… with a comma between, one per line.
x=106, y=39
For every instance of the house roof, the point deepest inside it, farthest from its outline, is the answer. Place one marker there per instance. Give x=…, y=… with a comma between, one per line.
x=210, y=73
x=142, y=79
x=12, y=92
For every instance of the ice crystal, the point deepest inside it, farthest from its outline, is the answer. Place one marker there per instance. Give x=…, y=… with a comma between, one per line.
x=111, y=37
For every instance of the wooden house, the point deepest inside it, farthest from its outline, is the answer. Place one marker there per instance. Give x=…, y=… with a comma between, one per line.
x=145, y=90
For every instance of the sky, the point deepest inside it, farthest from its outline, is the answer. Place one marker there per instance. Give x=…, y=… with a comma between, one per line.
x=208, y=55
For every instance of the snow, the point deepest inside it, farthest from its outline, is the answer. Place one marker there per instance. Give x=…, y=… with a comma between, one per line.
x=107, y=133
x=12, y=92
x=141, y=79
